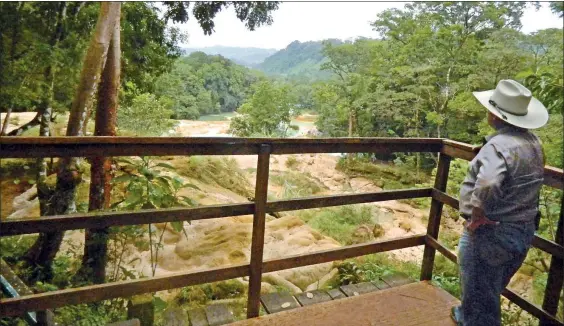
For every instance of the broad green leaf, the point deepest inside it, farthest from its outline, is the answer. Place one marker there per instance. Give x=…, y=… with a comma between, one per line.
x=190, y=185
x=127, y=273
x=166, y=165
x=124, y=160
x=188, y=201
x=123, y=178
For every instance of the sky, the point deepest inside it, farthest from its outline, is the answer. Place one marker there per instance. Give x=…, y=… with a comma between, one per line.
x=314, y=21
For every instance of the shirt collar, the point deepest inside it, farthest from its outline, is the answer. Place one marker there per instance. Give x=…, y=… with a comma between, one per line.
x=502, y=130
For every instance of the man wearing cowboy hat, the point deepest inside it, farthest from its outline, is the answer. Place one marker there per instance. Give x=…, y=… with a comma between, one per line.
x=499, y=200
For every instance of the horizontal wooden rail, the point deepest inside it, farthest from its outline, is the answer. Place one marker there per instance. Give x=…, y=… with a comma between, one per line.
x=553, y=177
x=94, y=293
x=543, y=244
x=456, y=149
x=342, y=253
x=32, y=147
x=530, y=307
x=548, y=246
x=146, y=216
x=107, y=219
x=440, y=248
x=339, y=200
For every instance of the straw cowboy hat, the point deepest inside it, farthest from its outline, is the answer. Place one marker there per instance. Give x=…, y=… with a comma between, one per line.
x=514, y=104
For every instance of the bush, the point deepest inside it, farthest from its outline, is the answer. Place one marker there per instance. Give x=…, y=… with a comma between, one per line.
x=292, y=162
x=378, y=231
x=406, y=225
x=147, y=116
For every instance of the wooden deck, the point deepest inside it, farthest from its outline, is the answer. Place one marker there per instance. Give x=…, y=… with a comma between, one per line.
x=411, y=304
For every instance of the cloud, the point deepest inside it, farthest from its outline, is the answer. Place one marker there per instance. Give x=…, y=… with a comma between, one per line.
x=313, y=21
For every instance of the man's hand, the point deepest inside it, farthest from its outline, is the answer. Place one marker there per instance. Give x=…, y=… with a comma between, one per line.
x=478, y=219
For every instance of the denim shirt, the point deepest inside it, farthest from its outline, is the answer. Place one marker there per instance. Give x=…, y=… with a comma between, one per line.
x=505, y=177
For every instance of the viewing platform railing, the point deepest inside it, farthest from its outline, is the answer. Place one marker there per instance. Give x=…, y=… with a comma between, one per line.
x=36, y=147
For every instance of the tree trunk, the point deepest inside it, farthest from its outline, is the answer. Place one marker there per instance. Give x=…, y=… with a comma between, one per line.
x=96, y=245
x=92, y=68
x=35, y=254
x=352, y=128
x=6, y=122
x=69, y=176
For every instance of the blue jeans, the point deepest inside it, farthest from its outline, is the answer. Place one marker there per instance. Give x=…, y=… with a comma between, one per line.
x=488, y=259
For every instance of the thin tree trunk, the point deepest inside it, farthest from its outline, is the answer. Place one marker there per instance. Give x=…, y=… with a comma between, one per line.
x=96, y=244
x=69, y=175
x=6, y=122
x=92, y=68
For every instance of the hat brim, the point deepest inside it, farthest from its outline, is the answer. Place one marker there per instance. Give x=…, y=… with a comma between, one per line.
x=536, y=117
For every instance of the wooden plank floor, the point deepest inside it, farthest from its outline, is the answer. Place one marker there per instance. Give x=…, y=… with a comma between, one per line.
x=411, y=304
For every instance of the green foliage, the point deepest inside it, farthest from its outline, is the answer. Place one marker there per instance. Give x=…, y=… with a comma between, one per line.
x=349, y=273
x=91, y=314
x=222, y=171
x=374, y=267
x=200, y=84
x=55, y=35
x=246, y=56
x=339, y=223
x=291, y=162
x=549, y=90
x=387, y=176
x=146, y=116
x=204, y=293
x=147, y=186
x=14, y=247
x=267, y=112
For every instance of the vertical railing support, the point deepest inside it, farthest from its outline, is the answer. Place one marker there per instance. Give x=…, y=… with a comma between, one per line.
x=257, y=245
x=435, y=216
x=555, y=279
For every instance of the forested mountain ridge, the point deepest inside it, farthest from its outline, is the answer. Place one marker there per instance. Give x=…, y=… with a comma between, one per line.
x=298, y=59
x=246, y=56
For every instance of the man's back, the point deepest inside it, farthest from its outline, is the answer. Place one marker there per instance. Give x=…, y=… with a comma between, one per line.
x=505, y=177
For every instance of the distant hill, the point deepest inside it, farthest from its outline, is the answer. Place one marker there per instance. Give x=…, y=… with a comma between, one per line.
x=249, y=57
x=298, y=60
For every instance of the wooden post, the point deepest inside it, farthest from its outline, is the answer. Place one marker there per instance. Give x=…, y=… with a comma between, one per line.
x=141, y=307
x=435, y=216
x=257, y=245
x=555, y=279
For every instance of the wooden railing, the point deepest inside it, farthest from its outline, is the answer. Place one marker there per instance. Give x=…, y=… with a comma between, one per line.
x=19, y=147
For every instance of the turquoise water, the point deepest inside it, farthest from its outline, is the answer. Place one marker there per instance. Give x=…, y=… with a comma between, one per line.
x=217, y=117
